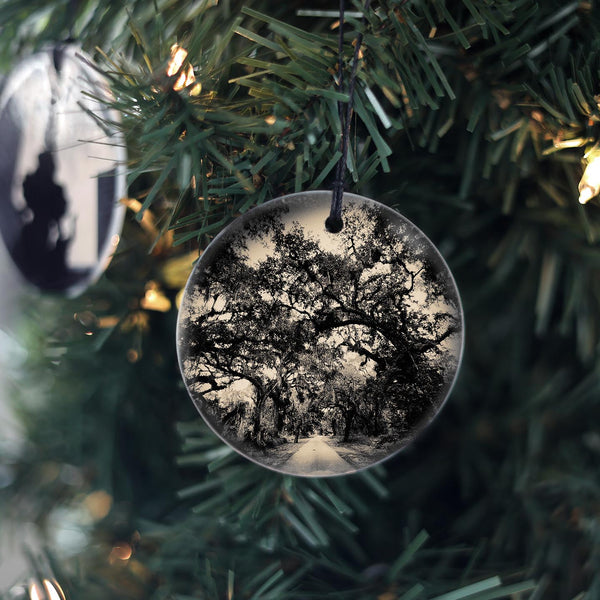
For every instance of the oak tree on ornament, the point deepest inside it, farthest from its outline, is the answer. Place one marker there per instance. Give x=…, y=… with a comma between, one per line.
x=326, y=333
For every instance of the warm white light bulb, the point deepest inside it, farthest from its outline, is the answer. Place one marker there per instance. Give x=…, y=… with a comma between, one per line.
x=589, y=186
x=178, y=55
x=186, y=77
x=34, y=592
x=53, y=590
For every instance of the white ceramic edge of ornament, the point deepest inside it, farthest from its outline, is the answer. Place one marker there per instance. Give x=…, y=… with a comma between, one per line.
x=119, y=210
x=12, y=280
x=17, y=283
x=423, y=427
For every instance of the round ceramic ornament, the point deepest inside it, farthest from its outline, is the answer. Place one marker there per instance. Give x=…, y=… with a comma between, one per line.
x=61, y=170
x=315, y=353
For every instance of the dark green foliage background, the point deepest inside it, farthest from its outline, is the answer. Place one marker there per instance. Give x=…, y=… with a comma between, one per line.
x=480, y=96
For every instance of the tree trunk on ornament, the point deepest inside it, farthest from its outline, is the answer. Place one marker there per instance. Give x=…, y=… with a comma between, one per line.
x=282, y=406
x=257, y=417
x=348, y=420
x=374, y=426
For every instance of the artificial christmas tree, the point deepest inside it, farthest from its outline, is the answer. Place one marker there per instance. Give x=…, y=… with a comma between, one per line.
x=474, y=119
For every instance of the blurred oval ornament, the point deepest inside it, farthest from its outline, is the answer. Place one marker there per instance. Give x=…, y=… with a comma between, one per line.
x=62, y=170
x=316, y=353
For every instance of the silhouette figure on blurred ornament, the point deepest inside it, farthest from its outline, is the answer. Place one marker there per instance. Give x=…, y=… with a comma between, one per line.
x=42, y=248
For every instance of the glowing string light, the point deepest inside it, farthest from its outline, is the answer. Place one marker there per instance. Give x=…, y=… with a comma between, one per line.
x=186, y=76
x=154, y=299
x=589, y=186
x=53, y=590
x=120, y=553
x=34, y=592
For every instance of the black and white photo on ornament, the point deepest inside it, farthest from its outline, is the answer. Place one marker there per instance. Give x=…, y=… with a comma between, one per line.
x=319, y=353
x=62, y=170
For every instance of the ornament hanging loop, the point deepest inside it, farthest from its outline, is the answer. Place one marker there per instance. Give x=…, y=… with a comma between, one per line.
x=334, y=222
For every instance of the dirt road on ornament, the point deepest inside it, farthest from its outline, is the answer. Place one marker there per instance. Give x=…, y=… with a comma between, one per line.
x=317, y=458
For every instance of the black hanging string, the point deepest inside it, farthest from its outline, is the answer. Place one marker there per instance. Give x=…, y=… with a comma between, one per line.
x=334, y=222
